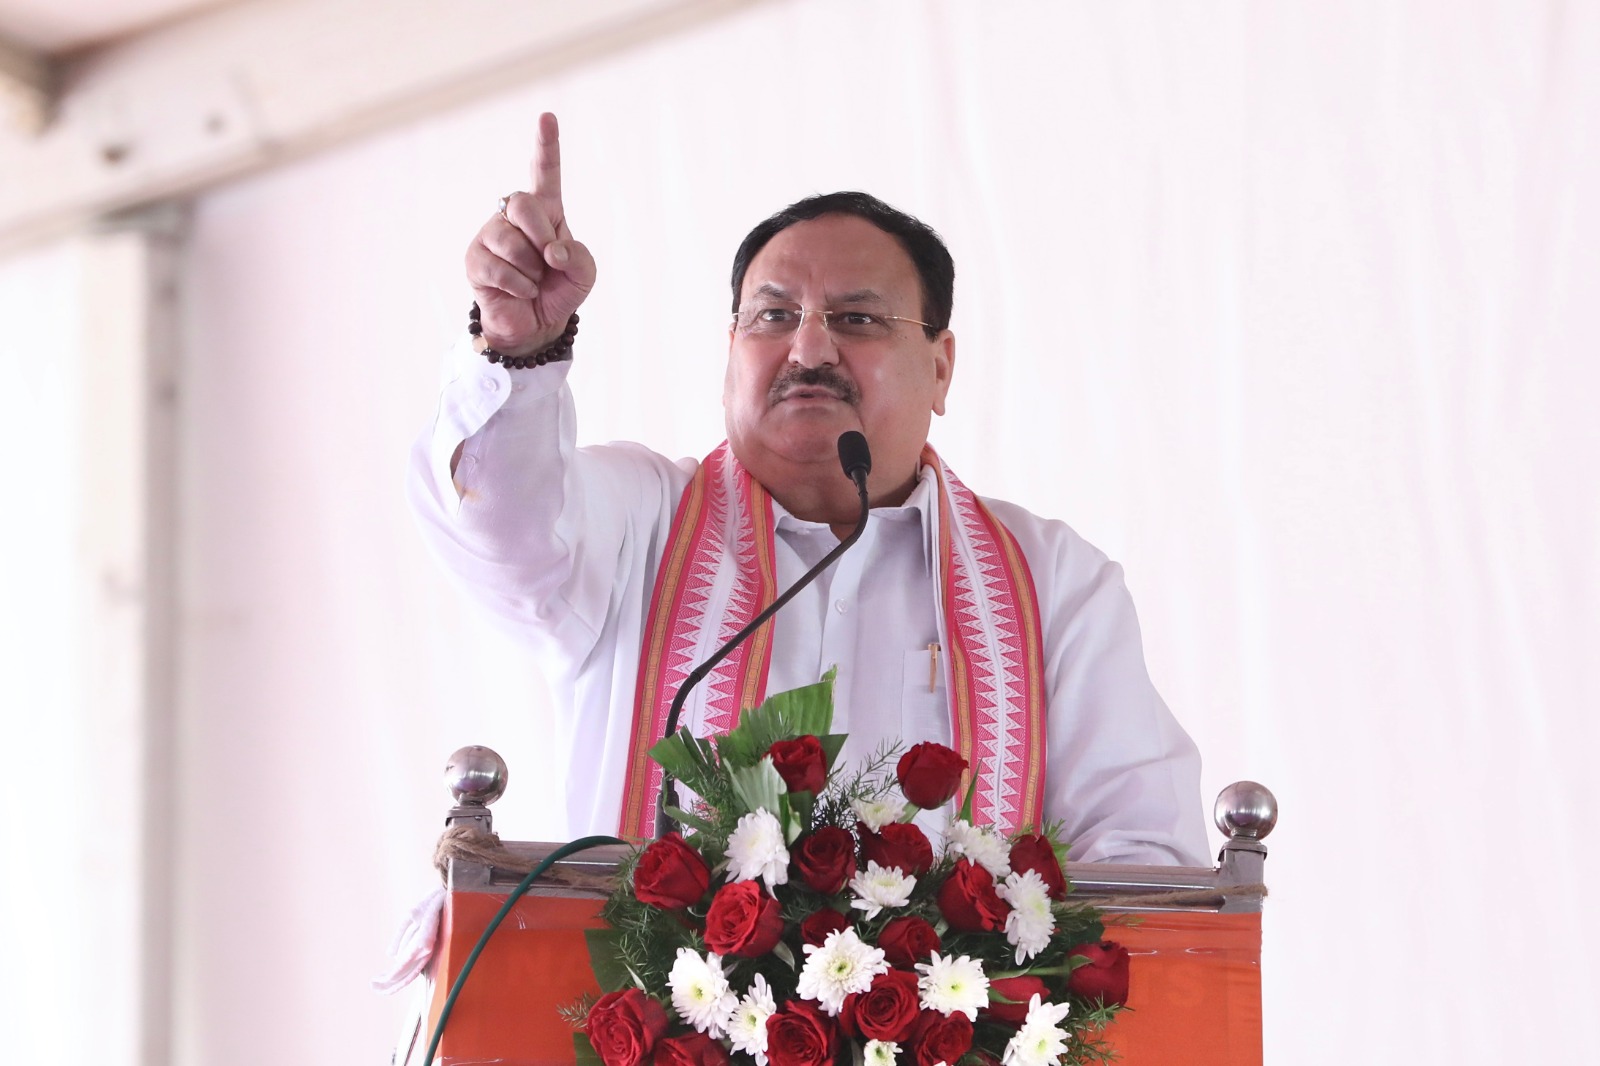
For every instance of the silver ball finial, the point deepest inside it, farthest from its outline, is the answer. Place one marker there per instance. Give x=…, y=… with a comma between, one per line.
x=475, y=775
x=1245, y=810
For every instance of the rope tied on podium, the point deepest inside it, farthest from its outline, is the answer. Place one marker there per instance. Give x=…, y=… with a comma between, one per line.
x=469, y=843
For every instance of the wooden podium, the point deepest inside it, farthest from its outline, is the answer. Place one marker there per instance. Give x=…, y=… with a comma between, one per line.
x=1194, y=934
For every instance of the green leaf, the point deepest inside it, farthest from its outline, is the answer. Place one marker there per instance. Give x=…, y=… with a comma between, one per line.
x=586, y=1054
x=784, y=716
x=605, y=958
x=966, y=804
x=758, y=786
x=678, y=814
x=832, y=745
x=801, y=804
x=794, y=814
x=808, y=709
x=686, y=757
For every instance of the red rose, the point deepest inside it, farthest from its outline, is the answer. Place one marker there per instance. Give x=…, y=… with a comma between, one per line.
x=670, y=874
x=814, y=929
x=1018, y=990
x=1034, y=852
x=743, y=920
x=929, y=774
x=799, y=1034
x=968, y=901
x=624, y=1026
x=696, y=1049
x=937, y=1038
x=846, y=1018
x=1104, y=976
x=801, y=763
x=889, y=1009
x=908, y=940
x=897, y=844
x=826, y=859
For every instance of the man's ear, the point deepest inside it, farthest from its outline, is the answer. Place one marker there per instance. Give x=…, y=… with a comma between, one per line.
x=944, y=367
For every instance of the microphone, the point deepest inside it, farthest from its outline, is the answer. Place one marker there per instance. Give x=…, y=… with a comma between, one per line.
x=856, y=460
x=855, y=457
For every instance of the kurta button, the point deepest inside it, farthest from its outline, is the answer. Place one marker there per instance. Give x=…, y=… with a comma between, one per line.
x=838, y=605
x=491, y=385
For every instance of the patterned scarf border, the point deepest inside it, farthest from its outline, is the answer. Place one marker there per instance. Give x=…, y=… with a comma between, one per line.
x=704, y=594
x=992, y=632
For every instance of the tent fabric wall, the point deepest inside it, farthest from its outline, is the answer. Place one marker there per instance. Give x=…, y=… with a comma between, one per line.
x=1288, y=307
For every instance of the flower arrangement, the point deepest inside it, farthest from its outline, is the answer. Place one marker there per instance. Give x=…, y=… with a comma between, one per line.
x=802, y=918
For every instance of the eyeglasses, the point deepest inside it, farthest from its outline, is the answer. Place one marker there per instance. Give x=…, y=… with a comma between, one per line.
x=767, y=322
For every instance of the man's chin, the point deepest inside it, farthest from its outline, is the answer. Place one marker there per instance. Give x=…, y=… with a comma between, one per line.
x=800, y=441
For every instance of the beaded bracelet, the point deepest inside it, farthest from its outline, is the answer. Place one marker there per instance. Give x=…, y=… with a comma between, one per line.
x=557, y=351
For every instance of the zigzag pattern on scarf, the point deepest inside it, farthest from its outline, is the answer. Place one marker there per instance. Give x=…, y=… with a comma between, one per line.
x=987, y=623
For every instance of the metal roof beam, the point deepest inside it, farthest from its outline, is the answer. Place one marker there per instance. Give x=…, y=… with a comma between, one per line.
x=240, y=87
x=27, y=88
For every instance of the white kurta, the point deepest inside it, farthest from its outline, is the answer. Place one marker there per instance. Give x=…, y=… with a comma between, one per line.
x=562, y=544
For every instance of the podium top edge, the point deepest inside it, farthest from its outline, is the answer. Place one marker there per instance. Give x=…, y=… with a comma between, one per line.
x=1227, y=887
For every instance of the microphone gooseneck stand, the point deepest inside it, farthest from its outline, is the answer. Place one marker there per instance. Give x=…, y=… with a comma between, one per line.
x=856, y=460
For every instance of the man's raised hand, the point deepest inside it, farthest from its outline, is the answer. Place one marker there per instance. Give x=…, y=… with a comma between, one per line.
x=526, y=272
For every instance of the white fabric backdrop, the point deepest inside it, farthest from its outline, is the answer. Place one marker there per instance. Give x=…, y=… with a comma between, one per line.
x=1289, y=307
x=42, y=669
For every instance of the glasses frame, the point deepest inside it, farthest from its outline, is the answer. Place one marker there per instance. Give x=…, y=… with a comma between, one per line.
x=827, y=323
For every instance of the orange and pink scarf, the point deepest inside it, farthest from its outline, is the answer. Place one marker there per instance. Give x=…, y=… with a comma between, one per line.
x=718, y=573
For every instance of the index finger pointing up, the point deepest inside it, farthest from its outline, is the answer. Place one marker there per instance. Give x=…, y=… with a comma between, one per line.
x=547, y=160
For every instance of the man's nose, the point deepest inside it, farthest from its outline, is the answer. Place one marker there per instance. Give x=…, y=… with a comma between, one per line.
x=813, y=344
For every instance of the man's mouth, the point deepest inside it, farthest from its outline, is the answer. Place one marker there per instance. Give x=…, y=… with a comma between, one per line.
x=809, y=392
x=817, y=384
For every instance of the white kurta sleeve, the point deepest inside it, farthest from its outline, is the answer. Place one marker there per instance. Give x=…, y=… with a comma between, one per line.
x=534, y=528
x=1121, y=775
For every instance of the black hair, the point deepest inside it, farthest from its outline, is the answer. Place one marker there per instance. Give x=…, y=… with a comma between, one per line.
x=928, y=254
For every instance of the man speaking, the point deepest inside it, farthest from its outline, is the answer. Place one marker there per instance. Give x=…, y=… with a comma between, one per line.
x=955, y=618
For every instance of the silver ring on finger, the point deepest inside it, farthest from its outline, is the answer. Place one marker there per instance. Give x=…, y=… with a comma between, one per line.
x=505, y=202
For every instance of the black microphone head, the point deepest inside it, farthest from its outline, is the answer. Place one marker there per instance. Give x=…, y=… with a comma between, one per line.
x=854, y=455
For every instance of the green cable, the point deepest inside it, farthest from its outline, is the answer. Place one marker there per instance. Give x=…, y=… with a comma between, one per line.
x=581, y=844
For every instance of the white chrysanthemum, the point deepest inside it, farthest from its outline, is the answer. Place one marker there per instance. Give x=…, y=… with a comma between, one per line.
x=953, y=985
x=879, y=1053
x=877, y=813
x=878, y=888
x=747, y=1029
x=700, y=993
x=1030, y=923
x=1041, y=1040
x=841, y=966
x=756, y=849
x=978, y=844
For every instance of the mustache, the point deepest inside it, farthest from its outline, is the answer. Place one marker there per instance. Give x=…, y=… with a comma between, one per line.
x=824, y=377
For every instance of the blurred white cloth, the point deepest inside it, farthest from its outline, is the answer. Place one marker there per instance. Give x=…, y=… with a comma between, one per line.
x=411, y=951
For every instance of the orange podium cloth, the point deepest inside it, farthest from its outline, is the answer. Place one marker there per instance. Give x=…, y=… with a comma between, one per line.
x=1194, y=989
x=1195, y=999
